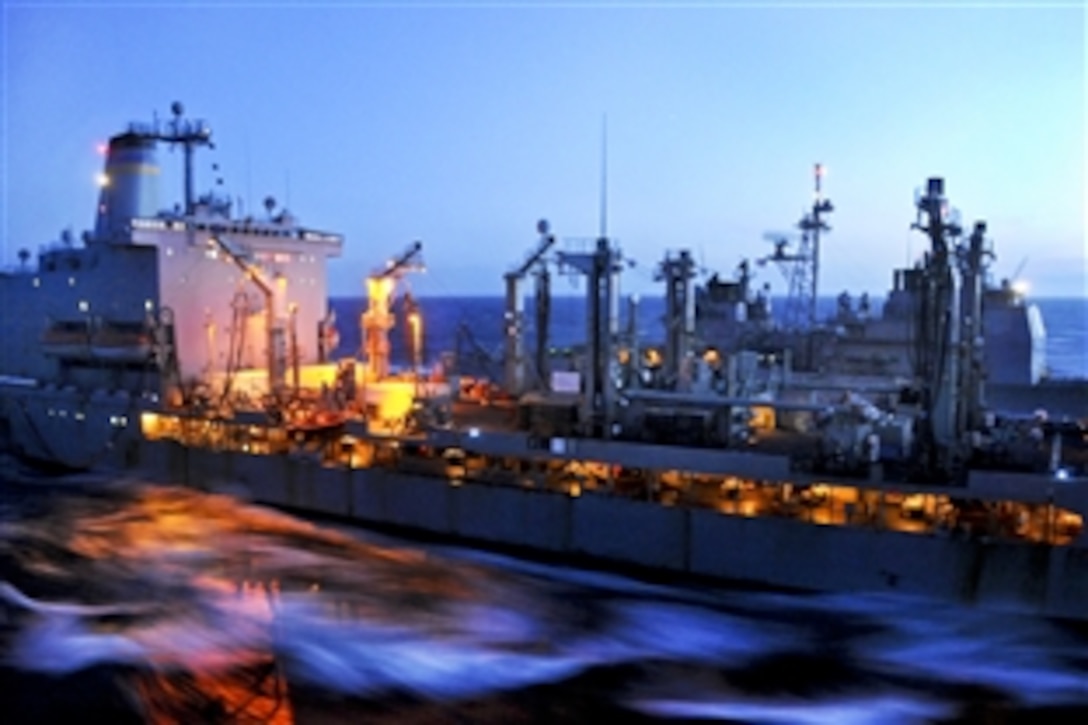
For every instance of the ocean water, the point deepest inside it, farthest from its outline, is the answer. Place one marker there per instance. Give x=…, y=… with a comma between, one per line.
x=122, y=601
x=1067, y=336
x=445, y=318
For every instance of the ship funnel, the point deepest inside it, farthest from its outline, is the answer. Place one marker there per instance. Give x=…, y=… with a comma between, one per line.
x=129, y=184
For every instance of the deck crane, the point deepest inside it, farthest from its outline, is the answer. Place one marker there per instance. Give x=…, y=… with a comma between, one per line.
x=677, y=273
x=378, y=319
x=275, y=293
x=514, y=317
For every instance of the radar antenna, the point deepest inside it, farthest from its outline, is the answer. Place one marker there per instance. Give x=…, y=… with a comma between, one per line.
x=189, y=134
x=798, y=258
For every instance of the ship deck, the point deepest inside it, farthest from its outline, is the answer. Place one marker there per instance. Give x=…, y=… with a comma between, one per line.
x=483, y=444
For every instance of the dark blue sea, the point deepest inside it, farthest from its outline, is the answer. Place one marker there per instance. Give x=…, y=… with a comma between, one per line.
x=447, y=318
x=125, y=601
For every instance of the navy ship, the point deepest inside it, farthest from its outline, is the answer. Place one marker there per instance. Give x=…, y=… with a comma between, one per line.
x=194, y=346
x=862, y=345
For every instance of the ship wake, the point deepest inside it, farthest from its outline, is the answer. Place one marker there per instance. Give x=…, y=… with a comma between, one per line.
x=197, y=603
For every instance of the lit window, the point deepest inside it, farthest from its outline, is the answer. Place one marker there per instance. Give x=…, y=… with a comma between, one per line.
x=37, y=282
x=84, y=306
x=169, y=251
x=148, y=305
x=71, y=281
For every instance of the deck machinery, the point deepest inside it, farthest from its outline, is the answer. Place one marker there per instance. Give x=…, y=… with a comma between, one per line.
x=517, y=374
x=378, y=319
x=930, y=426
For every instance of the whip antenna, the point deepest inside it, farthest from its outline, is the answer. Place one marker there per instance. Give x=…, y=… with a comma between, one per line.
x=604, y=176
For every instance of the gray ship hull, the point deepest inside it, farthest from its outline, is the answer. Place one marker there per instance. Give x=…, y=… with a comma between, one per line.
x=64, y=429
x=611, y=530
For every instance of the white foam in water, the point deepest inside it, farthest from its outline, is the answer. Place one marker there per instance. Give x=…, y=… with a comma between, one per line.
x=1014, y=654
x=947, y=642
x=13, y=596
x=60, y=643
x=497, y=625
x=219, y=632
x=356, y=657
x=868, y=711
x=651, y=629
x=1001, y=660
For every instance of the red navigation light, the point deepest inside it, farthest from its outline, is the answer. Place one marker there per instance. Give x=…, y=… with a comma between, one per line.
x=101, y=148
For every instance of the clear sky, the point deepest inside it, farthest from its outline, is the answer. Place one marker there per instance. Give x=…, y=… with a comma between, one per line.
x=462, y=125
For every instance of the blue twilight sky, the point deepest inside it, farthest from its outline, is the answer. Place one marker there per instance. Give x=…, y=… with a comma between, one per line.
x=461, y=125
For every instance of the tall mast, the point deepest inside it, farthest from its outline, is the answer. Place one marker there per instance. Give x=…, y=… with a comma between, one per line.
x=189, y=134
x=814, y=223
x=604, y=177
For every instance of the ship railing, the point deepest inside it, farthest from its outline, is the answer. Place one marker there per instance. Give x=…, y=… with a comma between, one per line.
x=900, y=508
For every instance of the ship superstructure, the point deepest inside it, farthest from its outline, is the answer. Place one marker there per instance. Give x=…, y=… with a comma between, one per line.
x=191, y=303
x=866, y=343
x=193, y=346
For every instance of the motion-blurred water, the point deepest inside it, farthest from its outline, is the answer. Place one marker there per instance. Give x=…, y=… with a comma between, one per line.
x=129, y=601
